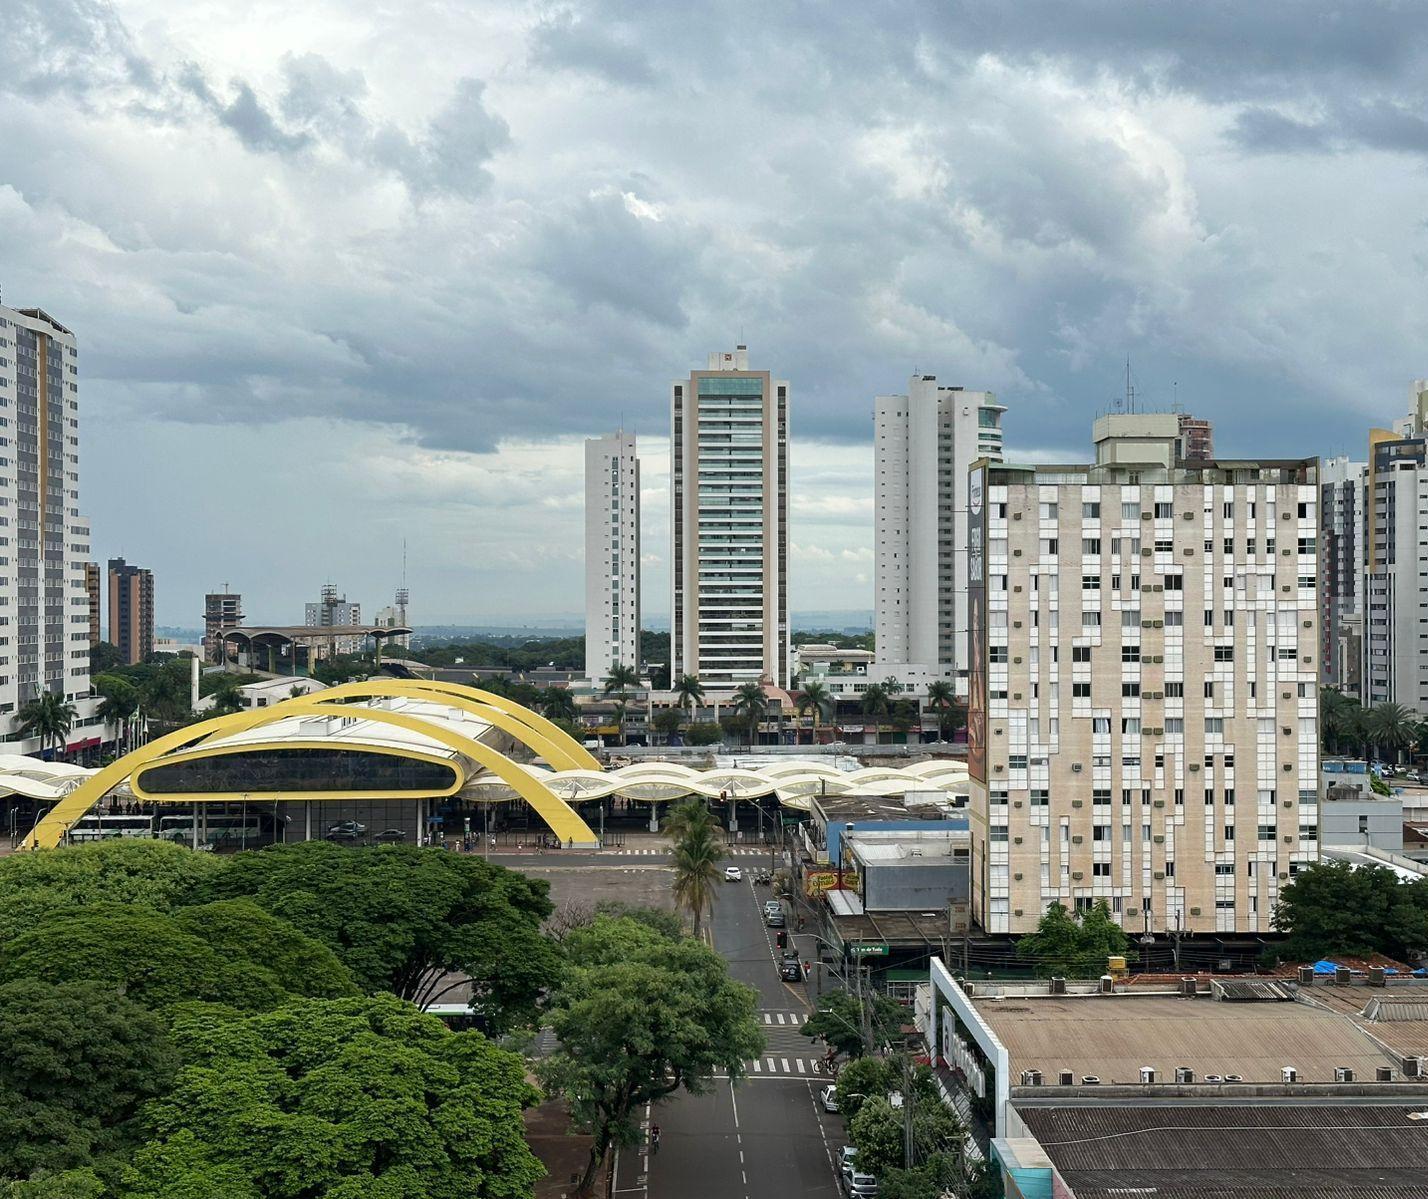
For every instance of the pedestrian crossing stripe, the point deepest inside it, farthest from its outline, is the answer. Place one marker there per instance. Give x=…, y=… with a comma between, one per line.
x=778, y=1066
x=795, y=1019
x=735, y=851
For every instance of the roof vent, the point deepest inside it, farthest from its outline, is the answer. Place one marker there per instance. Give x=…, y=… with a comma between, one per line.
x=1031, y=1078
x=1213, y=1078
x=1413, y=1067
x=1108, y=984
x=1187, y=987
x=1058, y=985
x=1342, y=974
x=1234, y=1078
x=1288, y=1074
x=1306, y=976
x=1147, y=1074
x=1384, y=1073
x=1090, y=1080
x=1068, y=1079
x=1343, y=1074
x=1184, y=1074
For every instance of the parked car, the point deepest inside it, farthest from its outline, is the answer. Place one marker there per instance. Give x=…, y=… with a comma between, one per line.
x=772, y=905
x=774, y=919
x=860, y=1186
x=828, y=1097
x=391, y=834
x=846, y=1157
x=347, y=830
x=732, y=874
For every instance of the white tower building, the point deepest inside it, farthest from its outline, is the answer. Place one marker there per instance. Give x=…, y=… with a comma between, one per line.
x=44, y=542
x=729, y=524
x=924, y=442
x=612, y=555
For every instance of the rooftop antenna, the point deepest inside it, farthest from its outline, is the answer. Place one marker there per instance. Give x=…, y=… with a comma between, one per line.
x=1130, y=388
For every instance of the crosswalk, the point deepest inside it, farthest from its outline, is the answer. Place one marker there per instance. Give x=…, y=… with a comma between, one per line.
x=787, y=1052
x=735, y=851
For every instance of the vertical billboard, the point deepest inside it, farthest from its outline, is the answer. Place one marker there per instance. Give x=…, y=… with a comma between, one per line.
x=977, y=624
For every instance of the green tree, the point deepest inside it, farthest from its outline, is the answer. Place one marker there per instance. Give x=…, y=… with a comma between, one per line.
x=696, y=857
x=893, y=685
x=1333, y=909
x=352, y=1099
x=48, y=717
x=816, y=698
x=82, y=1183
x=118, y=706
x=838, y=1022
x=618, y=683
x=689, y=692
x=639, y=1016
x=877, y=1134
x=227, y=697
x=904, y=715
x=704, y=733
x=667, y=722
x=104, y=656
x=79, y=1062
x=161, y=959
x=862, y=1079
x=166, y=695
x=942, y=699
x=557, y=703
x=1074, y=945
x=689, y=817
x=417, y=922
x=875, y=701
x=751, y=704
x=113, y=874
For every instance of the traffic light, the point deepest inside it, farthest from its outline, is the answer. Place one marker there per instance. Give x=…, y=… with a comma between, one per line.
x=782, y=939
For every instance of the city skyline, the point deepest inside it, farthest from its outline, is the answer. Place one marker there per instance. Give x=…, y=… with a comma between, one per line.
x=1013, y=203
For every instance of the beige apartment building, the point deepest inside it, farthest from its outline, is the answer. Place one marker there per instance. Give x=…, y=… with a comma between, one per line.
x=1143, y=719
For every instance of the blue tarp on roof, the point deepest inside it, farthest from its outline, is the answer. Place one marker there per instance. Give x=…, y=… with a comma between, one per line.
x=1325, y=967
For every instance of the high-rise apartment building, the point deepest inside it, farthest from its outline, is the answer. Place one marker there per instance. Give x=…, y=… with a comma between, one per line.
x=1341, y=564
x=334, y=611
x=923, y=444
x=729, y=524
x=1395, y=639
x=131, y=610
x=222, y=610
x=612, y=555
x=94, y=596
x=44, y=607
x=1143, y=714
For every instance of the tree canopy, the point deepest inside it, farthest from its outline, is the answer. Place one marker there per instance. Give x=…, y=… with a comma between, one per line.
x=79, y=1061
x=403, y=919
x=1074, y=945
x=152, y=874
x=640, y=1015
x=234, y=954
x=838, y=1022
x=354, y=1099
x=1333, y=908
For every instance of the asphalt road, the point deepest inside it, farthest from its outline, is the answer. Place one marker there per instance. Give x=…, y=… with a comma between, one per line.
x=765, y=1137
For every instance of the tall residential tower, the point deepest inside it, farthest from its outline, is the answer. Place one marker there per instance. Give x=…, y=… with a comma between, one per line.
x=131, y=610
x=1341, y=563
x=729, y=524
x=1143, y=724
x=612, y=555
x=923, y=444
x=44, y=605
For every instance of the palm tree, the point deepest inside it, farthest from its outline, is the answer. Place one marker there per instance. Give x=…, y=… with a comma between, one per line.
x=689, y=818
x=696, y=874
x=817, y=698
x=49, y=716
x=166, y=696
x=875, y=703
x=943, y=700
x=1337, y=713
x=690, y=692
x=119, y=706
x=1392, y=727
x=749, y=702
x=620, y=679
x=893, y=685
x=227, y=697
x=556, y=703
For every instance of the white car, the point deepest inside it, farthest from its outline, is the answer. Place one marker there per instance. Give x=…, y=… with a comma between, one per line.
x=732, y=874
x=846, y=1156
x=828, y=1097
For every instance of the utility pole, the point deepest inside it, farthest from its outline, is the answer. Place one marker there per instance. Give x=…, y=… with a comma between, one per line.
x=908, y=1153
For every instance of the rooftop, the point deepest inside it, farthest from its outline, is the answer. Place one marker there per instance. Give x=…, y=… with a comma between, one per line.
x=1396, y=1015
x=1377, y=1151
x=1113, y=1036
x=919, y=845
x=860, y=806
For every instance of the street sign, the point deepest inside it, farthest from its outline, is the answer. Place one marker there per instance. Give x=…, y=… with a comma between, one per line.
x=869, y=951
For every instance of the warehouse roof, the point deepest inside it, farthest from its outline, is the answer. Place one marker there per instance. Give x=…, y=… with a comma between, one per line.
x=1113, y=1036
x=1264, y=1149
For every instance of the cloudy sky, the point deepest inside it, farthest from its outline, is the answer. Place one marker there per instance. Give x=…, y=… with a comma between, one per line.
x=352, y=273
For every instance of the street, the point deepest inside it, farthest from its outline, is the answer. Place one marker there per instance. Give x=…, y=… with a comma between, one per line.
x=766, y=1137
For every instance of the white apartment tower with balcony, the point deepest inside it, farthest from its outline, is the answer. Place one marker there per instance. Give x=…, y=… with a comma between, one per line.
x=612, y=555
x=44, y=542
x=923, y=444
x=729, y=524
x=1143, y=722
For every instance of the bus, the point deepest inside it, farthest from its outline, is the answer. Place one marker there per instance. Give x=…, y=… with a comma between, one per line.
x=221, y=831
x=98, y=826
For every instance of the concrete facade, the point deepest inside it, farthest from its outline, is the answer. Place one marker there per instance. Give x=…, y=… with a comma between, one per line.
x=729, y=524
x=44, y=601
x=1341, y=552
x=612, y=555
x=222, y=610
x=1143, y=716
x=923, y=444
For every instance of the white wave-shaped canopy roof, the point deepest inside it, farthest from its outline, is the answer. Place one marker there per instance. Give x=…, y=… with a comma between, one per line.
x=792, y=782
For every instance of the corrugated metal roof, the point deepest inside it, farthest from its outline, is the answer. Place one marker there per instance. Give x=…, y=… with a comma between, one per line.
x=1249, y=990
x=1261, y=1149
x=1113, y=1036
